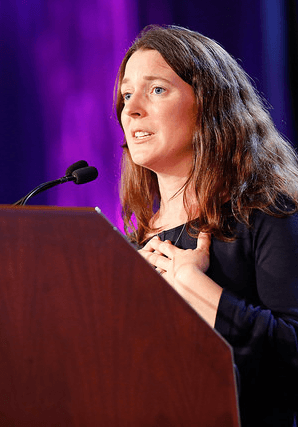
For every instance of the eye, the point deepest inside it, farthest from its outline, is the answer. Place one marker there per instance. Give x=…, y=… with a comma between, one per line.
x=126, y=96
x=158, y=90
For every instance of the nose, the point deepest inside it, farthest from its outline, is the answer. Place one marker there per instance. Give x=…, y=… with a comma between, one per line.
x=136, y=106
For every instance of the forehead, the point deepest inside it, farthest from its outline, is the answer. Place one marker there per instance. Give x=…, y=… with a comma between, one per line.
x=145, y=63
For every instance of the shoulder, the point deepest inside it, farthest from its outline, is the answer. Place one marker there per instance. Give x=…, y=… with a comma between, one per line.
x=274, y=242
x=269, y=237
x=282, y=225
x=278, y=218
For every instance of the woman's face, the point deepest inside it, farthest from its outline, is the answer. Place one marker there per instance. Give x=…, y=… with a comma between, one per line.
x=159, y=114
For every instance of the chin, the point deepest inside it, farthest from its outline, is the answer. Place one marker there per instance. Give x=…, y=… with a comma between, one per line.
x=145, y=163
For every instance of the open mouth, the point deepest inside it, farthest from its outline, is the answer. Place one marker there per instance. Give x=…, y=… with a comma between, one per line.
x=142, y=135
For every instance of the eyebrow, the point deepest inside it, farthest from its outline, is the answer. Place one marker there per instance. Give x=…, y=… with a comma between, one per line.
x=148, y=78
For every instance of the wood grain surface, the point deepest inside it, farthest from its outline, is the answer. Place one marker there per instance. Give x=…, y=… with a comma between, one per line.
x=91, y=335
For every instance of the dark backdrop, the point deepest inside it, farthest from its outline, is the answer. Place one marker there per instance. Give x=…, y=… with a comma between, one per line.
x=58, y=62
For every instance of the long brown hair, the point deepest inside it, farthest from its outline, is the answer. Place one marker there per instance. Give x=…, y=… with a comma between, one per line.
x=238, y=153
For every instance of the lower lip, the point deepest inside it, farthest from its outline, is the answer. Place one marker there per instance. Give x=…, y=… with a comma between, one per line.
x=143, y=139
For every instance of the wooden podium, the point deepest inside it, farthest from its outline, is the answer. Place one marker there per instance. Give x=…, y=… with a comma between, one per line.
x=91, y=335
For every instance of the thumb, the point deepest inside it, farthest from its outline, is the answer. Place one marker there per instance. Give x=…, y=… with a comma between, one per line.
x=204, y=241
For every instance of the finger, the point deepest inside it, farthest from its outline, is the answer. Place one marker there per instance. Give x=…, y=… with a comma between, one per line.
x=150, y=246
x=160, y=271
x=204, y=241
x=157, y=251
x=159, y=261
x=165, y=248
x=156, y=260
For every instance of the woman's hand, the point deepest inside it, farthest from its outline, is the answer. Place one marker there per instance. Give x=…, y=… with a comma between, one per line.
x=185, y=271
x=169, y=260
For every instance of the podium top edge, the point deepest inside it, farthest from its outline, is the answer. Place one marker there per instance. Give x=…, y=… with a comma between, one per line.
x=41, y=208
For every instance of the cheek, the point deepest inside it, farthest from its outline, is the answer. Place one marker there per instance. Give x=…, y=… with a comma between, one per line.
x=184, y=111
x=190, y=117
x=183, y=120
x=184, y=126
x=170, y=118
x=122, y=117
x=123, y=122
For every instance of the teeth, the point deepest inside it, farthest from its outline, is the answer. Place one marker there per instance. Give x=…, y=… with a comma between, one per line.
x=141, y=134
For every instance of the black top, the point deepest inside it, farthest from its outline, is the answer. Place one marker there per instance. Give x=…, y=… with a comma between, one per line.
x=258, y=313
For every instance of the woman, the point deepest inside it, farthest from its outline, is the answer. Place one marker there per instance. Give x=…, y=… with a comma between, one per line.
x=213, y=189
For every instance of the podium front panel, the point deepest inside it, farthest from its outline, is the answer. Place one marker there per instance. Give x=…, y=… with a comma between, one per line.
x=91, y=335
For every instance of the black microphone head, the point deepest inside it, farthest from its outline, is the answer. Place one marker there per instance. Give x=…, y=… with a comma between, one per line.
x=77, y=165
x=84, y=175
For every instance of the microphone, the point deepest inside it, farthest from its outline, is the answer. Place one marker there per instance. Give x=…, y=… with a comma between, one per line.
x=79, y=173
x=83, y=175
x=77, y=165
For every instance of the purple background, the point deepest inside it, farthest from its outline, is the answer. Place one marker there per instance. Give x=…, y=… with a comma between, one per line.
x=58, y=63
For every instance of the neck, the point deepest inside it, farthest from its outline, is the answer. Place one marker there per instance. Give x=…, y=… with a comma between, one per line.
x=172, y=211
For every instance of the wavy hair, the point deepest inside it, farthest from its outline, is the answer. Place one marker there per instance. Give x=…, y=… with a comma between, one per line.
x=237, y=152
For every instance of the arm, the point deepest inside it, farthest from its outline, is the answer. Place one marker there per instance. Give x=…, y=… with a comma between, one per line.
x=270, y=325
x=264, y=331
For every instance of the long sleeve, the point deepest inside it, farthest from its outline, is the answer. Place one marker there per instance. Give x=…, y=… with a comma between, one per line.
x=258, y=316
